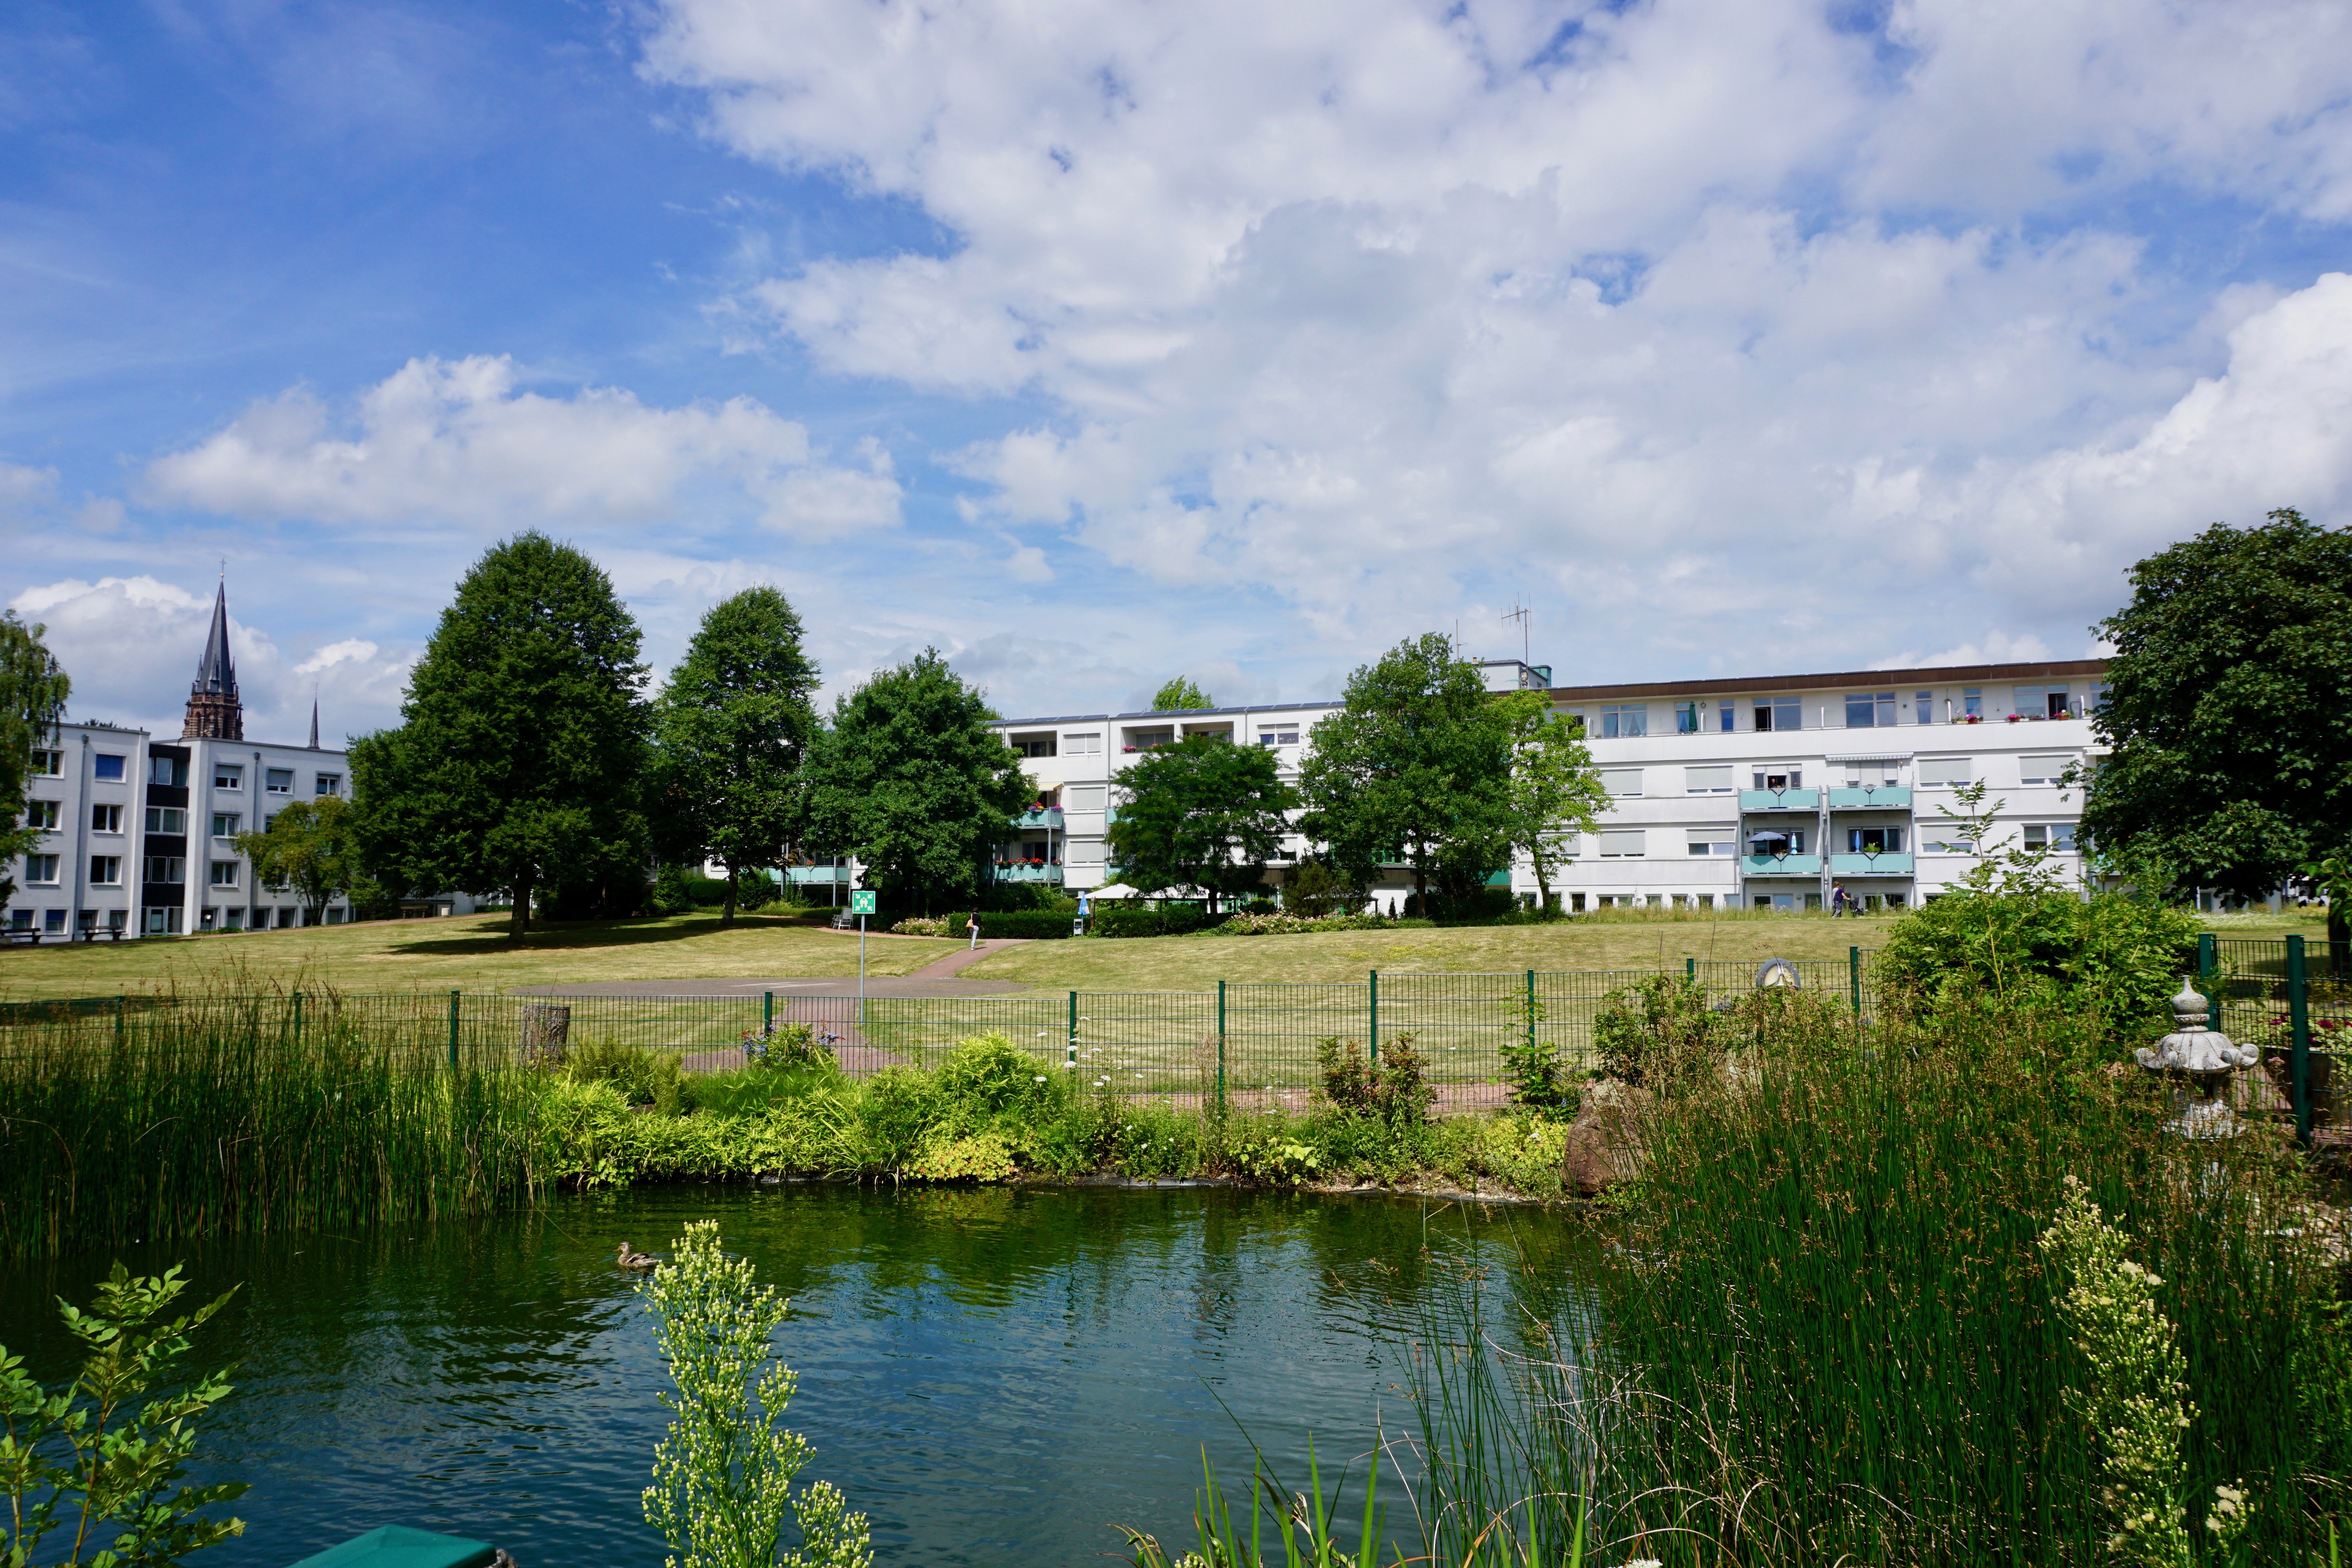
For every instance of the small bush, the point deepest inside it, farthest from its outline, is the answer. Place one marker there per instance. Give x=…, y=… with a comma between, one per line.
x=921, y=925
x=1177, y=919
x=897, y=1113
x=790, y=1045
x=2118, y=956
x=988, y=1078
x=643, y=1076
x=1392, y=1090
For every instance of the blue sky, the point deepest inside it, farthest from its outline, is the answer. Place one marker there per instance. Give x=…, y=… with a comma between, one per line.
x=1095, y=342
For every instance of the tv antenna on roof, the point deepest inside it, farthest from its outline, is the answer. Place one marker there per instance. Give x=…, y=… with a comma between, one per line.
x=1519, y=612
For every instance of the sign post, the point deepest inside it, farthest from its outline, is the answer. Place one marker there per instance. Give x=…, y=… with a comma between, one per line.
x=861, y=904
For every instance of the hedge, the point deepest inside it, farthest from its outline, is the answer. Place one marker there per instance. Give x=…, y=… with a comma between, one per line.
x=1181, y=920
x=1036, y=925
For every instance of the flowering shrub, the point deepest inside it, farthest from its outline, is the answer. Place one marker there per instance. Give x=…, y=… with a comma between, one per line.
x=921, y=925
x=1291, y=925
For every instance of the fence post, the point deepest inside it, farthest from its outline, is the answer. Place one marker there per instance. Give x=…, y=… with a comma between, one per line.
x=2298, y=1017
x=1072, y=1060
x=2209, y=967
x=767, y=1013
x=122, y=1004
x=1531, y=1013
x=1853, y=976
x=452, y=1031
x=1690, y=971
x=297, y=1017
x=1221, y=1048
x=1373, y=1053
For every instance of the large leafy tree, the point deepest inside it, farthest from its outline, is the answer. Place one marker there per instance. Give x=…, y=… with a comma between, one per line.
x=1203, y=813
x=1554, y=786
x=911, y=780
x=33, y=692
x=310, y=847
x=520, y=760
x=1179, y=695
x=1415, y=766
x=2229, y=709
x=734, y=726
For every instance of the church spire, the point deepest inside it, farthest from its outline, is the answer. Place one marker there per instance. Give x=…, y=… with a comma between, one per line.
x=314, y=718
x=213, y=711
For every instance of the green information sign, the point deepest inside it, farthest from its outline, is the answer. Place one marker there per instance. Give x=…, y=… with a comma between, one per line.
x=862, y=903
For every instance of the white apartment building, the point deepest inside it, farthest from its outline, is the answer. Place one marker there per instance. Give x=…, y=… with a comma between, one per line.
x=1751, y=792
x=137, y=833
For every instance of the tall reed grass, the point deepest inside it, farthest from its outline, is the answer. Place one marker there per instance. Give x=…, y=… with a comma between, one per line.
x=206, y=1116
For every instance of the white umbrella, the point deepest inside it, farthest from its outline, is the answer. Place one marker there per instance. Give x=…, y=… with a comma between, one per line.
x=1115, y=890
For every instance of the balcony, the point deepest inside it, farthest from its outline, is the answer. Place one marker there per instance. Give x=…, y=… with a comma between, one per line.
x=1781, y=865
x=803, y=875
x=1887, y=863
x=1872, y=797
x=1027, y=871
x=1779, y=800
x=1049, y=818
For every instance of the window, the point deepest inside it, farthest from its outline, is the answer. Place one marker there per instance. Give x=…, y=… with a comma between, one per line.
x=166, y=871
x=164, y=921
x=107, y=768
x=1621, y=844
x=171, y=771
x=227, y=824
x=228, y=775
x=166, y=819
x=105, y=820
x=1923, y=707
x=223, y=874
x=1972, y=703
x=1949, y=847
x=2053, y=835
x=1792, y=778
x=20, y=920
x=53, y=921
x=1778, y=713
x=1151, y=740
x=281, y=781
x=1873, y=840
x=1868, y=709
x=48, y=764
x=1686, y=718
x=1622, y=781
x=1031, y=745
x=1722, y=716
x=330, y=783
x=1708, y=781
x=1946, y=771
x=1624, y=720
x=1087, y=745
x=2042, y=770
x=41, y=870
x=1711, y=841
x=2041, y=701
x=42, y=814
x=1776, y=841
x=1287, y=735
x=105, y=871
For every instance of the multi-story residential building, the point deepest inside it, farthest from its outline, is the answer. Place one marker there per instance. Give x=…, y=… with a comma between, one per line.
x=1754, y=792
x=138, y=833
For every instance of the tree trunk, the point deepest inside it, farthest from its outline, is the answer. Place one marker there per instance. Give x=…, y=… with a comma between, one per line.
x=518, y=921
x=2339, y=932
x=727, y=911
x=1543, y=885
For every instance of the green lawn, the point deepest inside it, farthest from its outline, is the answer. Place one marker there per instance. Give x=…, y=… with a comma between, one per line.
x=465, y=953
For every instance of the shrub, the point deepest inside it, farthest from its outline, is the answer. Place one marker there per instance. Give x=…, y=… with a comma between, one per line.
x=1292, y=925
x=1392, y=1090
x=643, y=1076
x=895, y=1114
x=988, y=1078
x=1315, y=890
x=921, y=925
x=1029, y=925
x=1482, y=908
x=1642, y=1028
x=1531, y=1064
x=1176, y=919
x=2117, y=956
x=790, y=1045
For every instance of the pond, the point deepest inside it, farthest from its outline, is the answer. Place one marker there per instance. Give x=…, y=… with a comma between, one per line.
x=992, y=1376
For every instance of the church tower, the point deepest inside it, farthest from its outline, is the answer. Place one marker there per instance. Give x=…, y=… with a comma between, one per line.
x=213, y=711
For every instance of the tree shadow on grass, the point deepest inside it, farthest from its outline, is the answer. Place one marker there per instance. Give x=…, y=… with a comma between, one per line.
x=572, y=936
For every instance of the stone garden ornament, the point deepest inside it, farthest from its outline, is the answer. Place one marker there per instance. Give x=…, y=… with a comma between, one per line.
x=2203, y=1061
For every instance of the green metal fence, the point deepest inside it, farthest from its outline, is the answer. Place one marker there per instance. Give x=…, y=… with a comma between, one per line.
x=1247, y=1044
x=2293, y=998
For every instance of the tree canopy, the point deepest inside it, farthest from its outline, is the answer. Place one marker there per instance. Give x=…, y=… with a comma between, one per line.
x=1415, y=766
x=2229, y=709
x=1178, y=696
x=33, y=692
x=310, y=847
x=519, y=759
x=1554, y=788
x=734, y=726
x=909, y=779
x=1203, y=813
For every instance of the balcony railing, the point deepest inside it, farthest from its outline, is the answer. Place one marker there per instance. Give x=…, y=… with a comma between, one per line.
x=1872, y=797
x=802, y=876
x=1887, y=863
x=1049, y=818
x=1779, y=800
x=1781, y=865
x=1026, y=871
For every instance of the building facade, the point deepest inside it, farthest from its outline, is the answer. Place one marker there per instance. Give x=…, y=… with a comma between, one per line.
x=138, y=833
x=1766, y=792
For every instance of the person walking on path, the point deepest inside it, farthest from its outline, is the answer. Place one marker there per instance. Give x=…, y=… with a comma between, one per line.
x=972, y=925
x=1839, y=900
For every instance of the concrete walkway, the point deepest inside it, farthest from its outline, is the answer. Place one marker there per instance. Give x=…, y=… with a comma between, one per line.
x=955, y=963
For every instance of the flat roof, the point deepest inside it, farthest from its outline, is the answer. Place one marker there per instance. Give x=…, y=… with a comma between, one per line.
x=1170, y=714
x=1850, y=679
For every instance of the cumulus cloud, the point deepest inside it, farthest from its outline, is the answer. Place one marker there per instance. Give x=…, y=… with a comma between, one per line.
x=1738, y=330
x=456, y=441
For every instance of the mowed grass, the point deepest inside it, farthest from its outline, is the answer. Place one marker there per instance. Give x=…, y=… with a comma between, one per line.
x=467, y=952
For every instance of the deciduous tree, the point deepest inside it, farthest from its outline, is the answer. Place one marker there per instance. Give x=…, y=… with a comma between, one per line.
x=1203, y=813
x=733, y=727
x=1554, y=786
x=1181, y=695
x=519, y=761
x=310, y=847
x=33, y=692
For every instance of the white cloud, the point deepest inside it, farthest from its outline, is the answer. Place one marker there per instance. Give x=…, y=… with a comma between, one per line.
x=21, y=486
x=455, y=441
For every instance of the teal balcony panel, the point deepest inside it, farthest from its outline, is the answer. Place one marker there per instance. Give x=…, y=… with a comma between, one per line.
x=1781, y=865
x=1884, y=797
x=1779, y=800
x=1022, y=871
x=803, y=875
x=1889, y=864
x=1049, y=818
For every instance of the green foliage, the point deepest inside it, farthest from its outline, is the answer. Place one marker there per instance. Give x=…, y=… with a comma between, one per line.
x=734, y=726
x=723, y=1473
x=2116, y=956
x=312, y=847
x=1181, y=695
x=1531, y=1064
x=2230, y=737
x=101, y=1458
x=1203, y=813
x=1416, y=766
x=1301, y=925
x=1306, y=1525
x=642, y=1076
x=897, y=1109
x=1393, y=1090
x=1646, y=1033
x=1124, y=920
x=911, y=780
x=520, y=754
x=1317, y=891
x=1028, y=925
x=988, y=1078
x=1554, y=788
x=33, y=692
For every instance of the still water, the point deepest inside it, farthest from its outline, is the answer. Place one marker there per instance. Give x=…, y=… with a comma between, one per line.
x=992, y=1376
